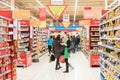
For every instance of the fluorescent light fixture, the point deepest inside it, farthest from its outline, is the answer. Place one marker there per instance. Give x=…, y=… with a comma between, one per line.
x=106, y=4
x=34, y=17
x=41, y=5
x=1, y=2
x=76, y=4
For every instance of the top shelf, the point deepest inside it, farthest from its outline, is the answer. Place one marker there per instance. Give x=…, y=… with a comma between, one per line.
x=111, y=10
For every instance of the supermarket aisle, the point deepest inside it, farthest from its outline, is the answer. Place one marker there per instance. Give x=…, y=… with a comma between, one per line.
x=45, y=71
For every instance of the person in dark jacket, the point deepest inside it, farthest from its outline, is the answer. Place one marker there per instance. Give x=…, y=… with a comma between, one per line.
x=73, y=41
x=57, y=48
x=78, y=42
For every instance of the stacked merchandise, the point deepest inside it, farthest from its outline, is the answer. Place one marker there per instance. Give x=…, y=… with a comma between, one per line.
x=94, y=39
x=24, y=55
x=42, y=39
x=34, y=45
x=110, y=38
x=39, y=45
x=7, y=55
x=91, y=42
x=82, y=39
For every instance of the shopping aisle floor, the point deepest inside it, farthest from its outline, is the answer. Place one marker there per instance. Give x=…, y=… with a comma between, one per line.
x=46, y=71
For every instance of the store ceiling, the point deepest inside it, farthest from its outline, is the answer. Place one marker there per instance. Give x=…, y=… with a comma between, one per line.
x=33, y=6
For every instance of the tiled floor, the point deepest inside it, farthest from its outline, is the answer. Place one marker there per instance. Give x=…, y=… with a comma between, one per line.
x=46, y=71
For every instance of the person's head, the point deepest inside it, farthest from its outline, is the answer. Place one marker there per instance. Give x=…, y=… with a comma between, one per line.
x=66, y=37
x=50, y=36
x=58, y=37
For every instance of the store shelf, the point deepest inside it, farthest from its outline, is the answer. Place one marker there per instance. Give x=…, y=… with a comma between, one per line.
x=112, y=19
x=6, y=72
x=94, y=45
x=110, y=38
x=113, y=67
x=111, y=10
x=5, y=48
x=5, y=64
x=108, y=54
x=109, y=72
x=6, y=55
x=34, y=53
x=116, y=49
x=95, y=40
x=94, y=30
x=94, y=35
x=6, y=42
x=5, y=18
x=111, y=29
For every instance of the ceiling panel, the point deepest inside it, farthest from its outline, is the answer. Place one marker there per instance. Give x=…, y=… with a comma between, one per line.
x=33, y=6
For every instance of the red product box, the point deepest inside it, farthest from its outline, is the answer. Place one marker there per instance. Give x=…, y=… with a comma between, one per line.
x=28, y=59
x=25, y=60
x=2, y=52
x=8, y=51
x=1, y=78
x=9, y=66
x=2, y=70
x=8, y=76
x=94, y=60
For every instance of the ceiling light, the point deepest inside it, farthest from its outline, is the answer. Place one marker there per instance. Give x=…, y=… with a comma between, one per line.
x=41, y=5
x=76, y=4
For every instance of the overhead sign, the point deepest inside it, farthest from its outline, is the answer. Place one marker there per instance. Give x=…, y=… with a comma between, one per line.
x=84, y=23
x=57, y=10
x=24, y=14
x=42, y=14
x=35, y=22
x=6, y=13
x=43, y=24
x=25, y=22
x=57, y=2
x=91, y=14
x=66, y=24
x=66, y=18
x=95, y=22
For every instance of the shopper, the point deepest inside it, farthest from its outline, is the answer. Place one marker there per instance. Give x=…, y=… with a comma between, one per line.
x=50, y=42
x=57, y=49
x=77, y=42
x=73, y=41
x=66, y=51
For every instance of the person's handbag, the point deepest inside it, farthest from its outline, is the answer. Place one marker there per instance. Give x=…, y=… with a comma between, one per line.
x=52, y=58
x=62, y=59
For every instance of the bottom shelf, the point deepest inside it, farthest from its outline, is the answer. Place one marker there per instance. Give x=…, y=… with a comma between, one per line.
x=86, y=54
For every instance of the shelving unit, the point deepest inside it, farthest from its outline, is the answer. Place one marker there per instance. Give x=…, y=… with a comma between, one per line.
x=110, y=38
x=25, y=36
x=43, y=37
x=7, y=61
x=94, y=37
x=39, y=45
x=24, y=54
x=35, y=45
